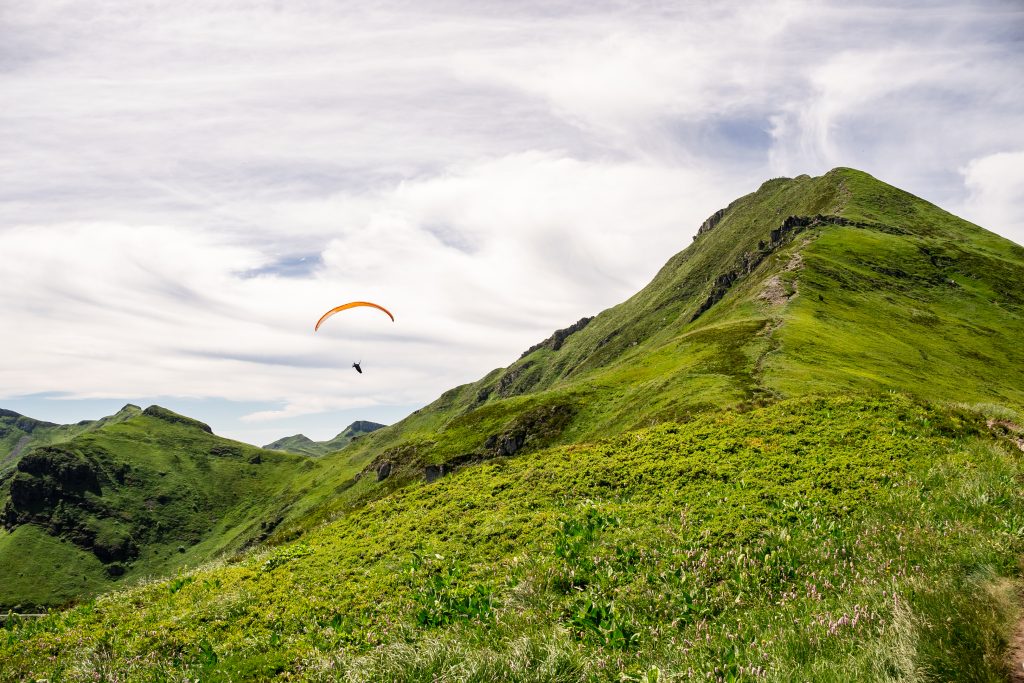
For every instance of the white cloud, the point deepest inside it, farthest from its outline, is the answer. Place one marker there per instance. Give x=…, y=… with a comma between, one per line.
x=996, y=199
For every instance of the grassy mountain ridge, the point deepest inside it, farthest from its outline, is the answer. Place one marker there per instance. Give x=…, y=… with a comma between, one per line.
x=300, y=443
x=134, y=497
x=19, y=433
x=808, y=285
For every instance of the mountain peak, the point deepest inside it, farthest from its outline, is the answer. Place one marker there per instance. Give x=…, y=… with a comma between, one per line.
x=809, y=285
x=300, y=443
x=360, y=426
x=172, y=417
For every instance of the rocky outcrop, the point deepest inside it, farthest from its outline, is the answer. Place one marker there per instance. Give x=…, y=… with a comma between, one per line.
x=533, y=429
x=555, y=341
x=536, y=427
x=432, y=473
x=46, y=476
x=518, y=379
x=709, y=225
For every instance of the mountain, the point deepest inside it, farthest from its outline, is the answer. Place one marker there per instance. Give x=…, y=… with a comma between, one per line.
x=302, y=444
x=834, y=284
x=19, y=433
x=794, y=455
x=140, y=495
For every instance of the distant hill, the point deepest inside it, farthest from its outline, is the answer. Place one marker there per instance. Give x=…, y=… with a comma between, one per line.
x=302, y=444
x=139, y=495
x=19, y=433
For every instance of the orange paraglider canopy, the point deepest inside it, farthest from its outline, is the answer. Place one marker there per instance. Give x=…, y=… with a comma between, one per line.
x=351, y=304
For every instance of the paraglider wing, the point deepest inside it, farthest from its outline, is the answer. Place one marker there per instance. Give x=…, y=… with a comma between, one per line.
x=351, y=304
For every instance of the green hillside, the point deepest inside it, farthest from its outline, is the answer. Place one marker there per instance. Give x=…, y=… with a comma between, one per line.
x=795, y=455
x=302, y=444
x=137, y=497
x=19, y=433
x=810, y=285
x=815, y=539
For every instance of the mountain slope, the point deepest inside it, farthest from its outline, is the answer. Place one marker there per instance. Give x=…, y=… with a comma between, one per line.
x=813, y=539
x=302, y=444
x=19, y=433
x=809, y=285
x=131, y=498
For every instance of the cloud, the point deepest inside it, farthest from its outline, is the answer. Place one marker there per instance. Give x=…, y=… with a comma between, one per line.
x=996, y=199
x=185, y=188
x=113, y=310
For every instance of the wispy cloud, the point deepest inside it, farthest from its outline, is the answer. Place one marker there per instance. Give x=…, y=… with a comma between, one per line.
x=185, y=187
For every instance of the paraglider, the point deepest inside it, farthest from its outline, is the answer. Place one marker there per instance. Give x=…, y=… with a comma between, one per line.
x=352, y=304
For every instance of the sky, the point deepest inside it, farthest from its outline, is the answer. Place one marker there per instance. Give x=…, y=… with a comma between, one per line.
x=186, y=186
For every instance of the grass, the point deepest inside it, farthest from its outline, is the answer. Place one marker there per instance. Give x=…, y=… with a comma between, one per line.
x=866, y=538
x=70, y=572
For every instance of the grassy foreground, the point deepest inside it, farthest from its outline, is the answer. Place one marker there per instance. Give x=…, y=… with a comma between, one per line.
x=863, y=538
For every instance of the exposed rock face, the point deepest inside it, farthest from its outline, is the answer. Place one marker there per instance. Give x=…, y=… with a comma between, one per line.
x=384, y=471
x=433, y=472
x=517, y=380
x=555, y=341
x=532, y=429
x=776, y=292
x=520, y=379
x=509, y=444
x=117, y=547
x=538, y=426
x=709, y=225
